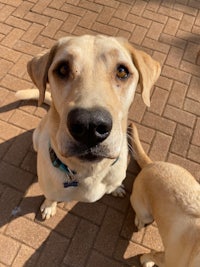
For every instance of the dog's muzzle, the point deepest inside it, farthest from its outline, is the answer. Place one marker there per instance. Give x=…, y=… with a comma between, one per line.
x=89, y=127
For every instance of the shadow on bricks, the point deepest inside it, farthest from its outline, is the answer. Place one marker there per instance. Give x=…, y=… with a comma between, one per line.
x=80, y=234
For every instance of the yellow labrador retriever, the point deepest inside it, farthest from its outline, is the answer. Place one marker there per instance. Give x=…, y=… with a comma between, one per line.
x=81, y=142
x=170, y=195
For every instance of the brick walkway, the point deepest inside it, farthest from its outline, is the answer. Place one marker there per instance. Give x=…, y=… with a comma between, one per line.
x=101, y=234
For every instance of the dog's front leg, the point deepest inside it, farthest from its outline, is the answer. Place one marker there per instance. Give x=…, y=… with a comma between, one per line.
x=119, y=191
x=48, y=209
x=153, y=258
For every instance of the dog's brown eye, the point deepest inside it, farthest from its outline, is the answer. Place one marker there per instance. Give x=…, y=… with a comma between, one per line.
x=122, y=72
x=63, y=70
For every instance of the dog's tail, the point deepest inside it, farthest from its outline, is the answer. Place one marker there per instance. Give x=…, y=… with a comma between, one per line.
x=138, y=151
x=33, y=94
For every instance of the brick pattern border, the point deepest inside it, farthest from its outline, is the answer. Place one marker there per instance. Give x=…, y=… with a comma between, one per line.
x=102, y=233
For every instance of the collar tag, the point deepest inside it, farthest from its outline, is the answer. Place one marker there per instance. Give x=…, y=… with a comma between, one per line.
x=68, y=184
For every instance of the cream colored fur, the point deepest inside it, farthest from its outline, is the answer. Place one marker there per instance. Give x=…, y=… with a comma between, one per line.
x=170, y=195
x=91, y=82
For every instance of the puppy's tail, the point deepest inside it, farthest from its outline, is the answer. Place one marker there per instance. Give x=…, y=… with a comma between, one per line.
x=33, y=94
x=138, y=151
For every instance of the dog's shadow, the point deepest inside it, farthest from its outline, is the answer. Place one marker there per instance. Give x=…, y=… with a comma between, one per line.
x=80, y=234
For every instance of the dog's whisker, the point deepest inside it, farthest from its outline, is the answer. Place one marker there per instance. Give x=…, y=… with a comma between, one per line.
x=131, y=150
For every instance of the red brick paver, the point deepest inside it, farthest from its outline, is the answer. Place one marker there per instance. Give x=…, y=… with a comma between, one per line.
x=102, y=233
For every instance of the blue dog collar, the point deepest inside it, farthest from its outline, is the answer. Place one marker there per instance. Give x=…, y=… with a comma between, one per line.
x=57, y=163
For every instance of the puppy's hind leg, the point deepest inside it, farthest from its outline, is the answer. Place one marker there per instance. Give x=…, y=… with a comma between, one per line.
x=48, y=208
x=143, y=215
x=142, y=218
x=153, y=258
x=139, y=223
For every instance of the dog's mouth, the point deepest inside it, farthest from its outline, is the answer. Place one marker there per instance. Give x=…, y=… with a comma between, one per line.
x=90, y=157
x=95, y=153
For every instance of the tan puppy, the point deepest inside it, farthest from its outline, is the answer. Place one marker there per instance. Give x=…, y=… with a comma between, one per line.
x=170, y=195
x=81, y=142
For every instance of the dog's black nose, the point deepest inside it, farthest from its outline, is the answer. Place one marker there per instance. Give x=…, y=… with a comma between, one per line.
x=89, y=126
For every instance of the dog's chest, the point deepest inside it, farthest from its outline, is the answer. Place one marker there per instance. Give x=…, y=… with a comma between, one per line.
x=88, y=189
x=82, y=187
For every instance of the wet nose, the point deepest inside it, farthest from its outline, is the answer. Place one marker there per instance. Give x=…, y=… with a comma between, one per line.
x=89, y=126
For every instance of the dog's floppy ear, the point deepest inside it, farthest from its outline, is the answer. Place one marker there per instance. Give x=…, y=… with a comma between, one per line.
x=149, y=71
x=38, y=70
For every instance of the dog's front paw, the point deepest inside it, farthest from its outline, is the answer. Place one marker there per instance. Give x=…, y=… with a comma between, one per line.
x=48, y=209
x=119, y=191
x=146, y=261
